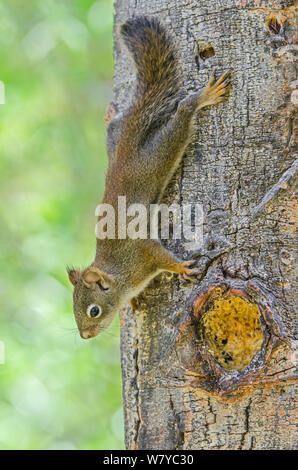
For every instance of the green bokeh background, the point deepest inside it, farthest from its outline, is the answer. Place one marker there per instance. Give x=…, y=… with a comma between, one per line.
x=57, y=391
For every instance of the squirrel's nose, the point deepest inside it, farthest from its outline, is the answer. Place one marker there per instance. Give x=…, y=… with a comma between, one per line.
x=86, y=334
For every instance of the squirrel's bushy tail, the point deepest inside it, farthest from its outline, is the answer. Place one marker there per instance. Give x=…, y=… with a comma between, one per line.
x=157, y=63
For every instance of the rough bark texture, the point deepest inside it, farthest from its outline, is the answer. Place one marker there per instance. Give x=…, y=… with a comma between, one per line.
x=179, y=392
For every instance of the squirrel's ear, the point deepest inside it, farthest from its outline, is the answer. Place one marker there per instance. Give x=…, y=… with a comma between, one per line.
x=94, y=276
x=73, y=275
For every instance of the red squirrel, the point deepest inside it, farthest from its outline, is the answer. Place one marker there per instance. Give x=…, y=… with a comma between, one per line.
x=145, y=145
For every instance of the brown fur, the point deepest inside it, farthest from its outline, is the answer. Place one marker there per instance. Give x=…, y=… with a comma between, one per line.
x=145, y=145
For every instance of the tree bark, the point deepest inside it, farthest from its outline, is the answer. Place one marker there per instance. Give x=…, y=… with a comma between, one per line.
x=212, y=365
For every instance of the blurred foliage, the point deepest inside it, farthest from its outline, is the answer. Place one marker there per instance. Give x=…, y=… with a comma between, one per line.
x=56, y=390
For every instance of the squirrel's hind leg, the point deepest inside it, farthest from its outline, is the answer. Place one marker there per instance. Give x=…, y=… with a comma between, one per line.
x=212, y=94
x=214, y=91
x=170, y=142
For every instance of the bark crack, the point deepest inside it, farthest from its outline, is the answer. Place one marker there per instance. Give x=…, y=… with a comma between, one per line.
x=246, y=424
x=276, y=187
x=137, y=393
x=179, y=441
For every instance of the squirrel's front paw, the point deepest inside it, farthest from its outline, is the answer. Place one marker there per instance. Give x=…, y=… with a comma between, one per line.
x=188, y=274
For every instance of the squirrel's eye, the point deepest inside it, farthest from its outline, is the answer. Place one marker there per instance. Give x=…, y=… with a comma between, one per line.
x=93, y=311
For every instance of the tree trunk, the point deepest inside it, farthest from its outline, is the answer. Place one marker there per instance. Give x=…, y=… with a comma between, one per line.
x=212, y=365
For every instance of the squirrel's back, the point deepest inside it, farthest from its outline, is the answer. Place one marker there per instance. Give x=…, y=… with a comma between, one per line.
x=157, y=64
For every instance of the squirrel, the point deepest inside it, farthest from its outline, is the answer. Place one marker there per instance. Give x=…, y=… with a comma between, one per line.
x=145, y=145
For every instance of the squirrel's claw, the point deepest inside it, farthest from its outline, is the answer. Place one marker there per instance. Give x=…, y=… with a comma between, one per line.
x=211, y=81
x=224, y=77
x=187, y=274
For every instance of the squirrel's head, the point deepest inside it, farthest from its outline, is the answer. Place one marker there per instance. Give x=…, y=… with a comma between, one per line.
x=93, y=300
